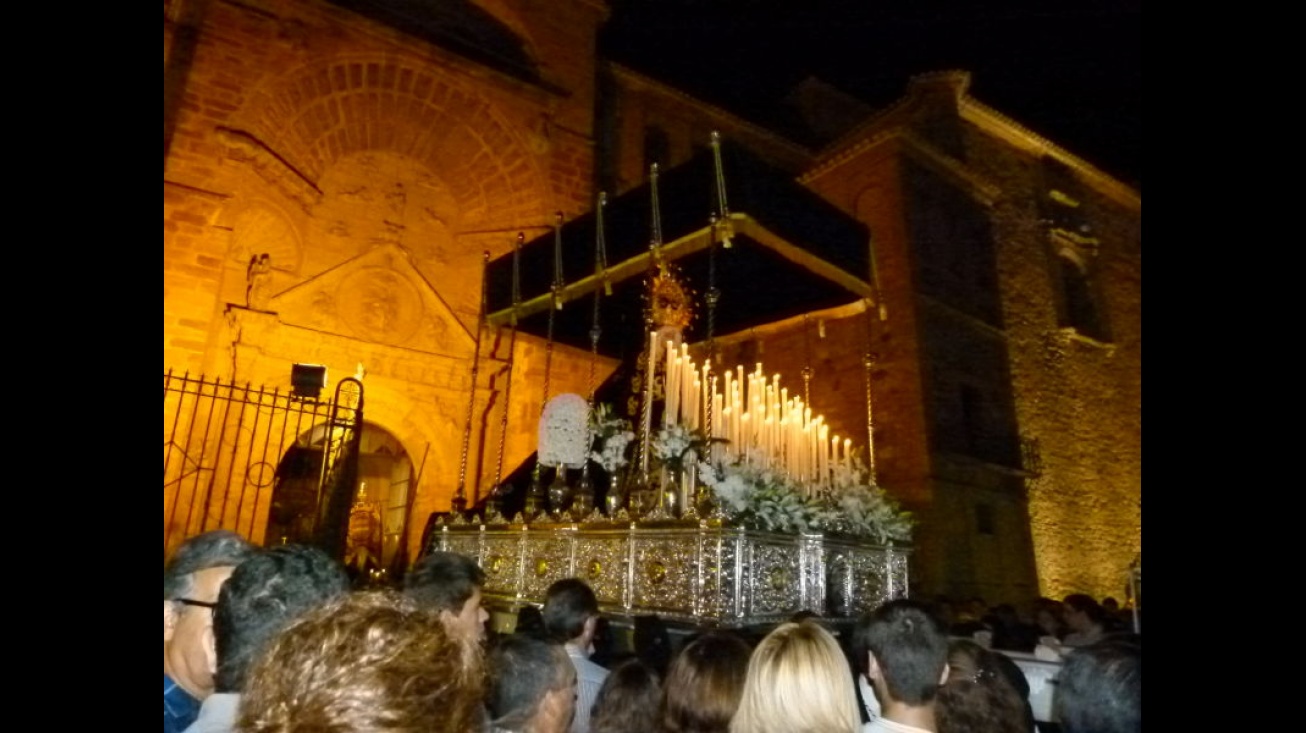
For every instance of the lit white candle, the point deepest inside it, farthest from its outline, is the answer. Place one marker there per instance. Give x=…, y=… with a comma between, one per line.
x=823, y=450
x=670, y=378
x=834, y=453
x=847, y=459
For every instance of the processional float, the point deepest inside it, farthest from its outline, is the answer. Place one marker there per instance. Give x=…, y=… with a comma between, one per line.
x=711, y=493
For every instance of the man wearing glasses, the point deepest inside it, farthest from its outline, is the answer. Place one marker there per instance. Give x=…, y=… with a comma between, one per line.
x=191, y=581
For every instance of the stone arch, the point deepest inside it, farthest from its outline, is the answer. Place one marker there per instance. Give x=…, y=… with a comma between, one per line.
x=259, y=227
x=314, y=115
x=417, y=421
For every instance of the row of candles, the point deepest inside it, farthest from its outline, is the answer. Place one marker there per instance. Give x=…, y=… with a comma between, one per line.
x=760, y=420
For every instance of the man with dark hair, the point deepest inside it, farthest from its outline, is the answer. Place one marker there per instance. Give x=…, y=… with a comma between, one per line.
x=532, y=686
x=571, y=616
x=1100, y=687
x=450, y=584
x=191, y=581
x=903, y=652
x=262, y=596
x=1085, y=618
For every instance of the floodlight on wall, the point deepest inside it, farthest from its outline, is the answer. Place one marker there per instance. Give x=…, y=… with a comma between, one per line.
x=307, y=380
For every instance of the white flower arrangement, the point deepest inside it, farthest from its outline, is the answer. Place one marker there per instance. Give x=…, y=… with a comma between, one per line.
x=765, y=500
x=859, y=507
x=672, y=445
x=612, y=438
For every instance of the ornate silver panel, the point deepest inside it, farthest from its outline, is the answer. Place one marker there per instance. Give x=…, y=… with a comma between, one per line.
x=502, y=563
x=603, y=561
x=665, y=572
x=547, y=560
x=684, y=572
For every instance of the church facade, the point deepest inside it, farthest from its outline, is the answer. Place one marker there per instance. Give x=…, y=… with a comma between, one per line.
x=333, y=187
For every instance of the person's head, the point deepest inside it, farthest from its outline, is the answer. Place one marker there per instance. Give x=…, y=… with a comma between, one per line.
x=1100, y=688
x=365, y=661
x=979, y=695
x=704, y=682
x=532, y=685
x=798, y=682
x=1110, y=604
x=652, y=642
x=903, y=651
x=571, y=611
x=450, y=584
x=262, y=596
x=1082, y=612
x=628, y=700
x=1048, y=617
x=191, y=581
x=530, y=622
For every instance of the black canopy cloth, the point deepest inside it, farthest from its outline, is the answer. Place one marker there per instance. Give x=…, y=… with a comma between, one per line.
x=792, y=253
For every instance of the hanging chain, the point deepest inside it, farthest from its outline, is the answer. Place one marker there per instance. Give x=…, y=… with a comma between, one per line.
x=712, y=296
x=869, y=362
x=723, y=209
x=807, y=361
x=600, y=272
x=557, y=291
x=512, y=361
x=460, y=496
x=655, y=262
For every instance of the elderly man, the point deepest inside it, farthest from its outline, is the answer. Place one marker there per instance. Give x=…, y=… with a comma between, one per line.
x=191, y=581
x=263, y=596
x=532, y=686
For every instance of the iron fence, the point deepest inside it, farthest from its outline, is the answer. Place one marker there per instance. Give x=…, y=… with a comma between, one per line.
x=272, y=465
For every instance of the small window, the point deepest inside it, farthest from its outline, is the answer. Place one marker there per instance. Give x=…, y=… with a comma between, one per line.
x=1080, y=310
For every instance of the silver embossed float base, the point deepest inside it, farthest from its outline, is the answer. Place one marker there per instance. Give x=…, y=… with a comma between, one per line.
x=684, y=571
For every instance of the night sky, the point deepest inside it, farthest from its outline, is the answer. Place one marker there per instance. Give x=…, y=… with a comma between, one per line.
x=1071, y=72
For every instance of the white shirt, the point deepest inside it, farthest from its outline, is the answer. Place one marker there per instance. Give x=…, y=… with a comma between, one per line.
x=589, y=678
x=884, y=725
x=217, y=714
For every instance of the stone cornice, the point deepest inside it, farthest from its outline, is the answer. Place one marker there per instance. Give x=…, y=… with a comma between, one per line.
x=1008, y=130
x=888, y=123
x=983, y=190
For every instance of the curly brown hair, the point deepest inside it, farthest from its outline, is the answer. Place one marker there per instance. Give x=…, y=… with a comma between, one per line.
x=978, y=695
x=369, y=661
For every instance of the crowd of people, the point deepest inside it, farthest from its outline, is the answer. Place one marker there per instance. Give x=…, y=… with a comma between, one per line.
x=277, y=640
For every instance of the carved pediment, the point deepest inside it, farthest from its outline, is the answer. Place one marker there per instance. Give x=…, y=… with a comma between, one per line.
x=377, y=297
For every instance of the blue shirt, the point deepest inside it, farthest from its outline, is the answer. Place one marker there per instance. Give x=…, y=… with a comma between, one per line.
x=179, y=708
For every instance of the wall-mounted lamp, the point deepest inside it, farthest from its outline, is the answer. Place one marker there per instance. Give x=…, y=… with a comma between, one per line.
x=307, y=380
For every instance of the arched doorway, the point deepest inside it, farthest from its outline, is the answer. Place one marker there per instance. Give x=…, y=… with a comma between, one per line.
x=384, y=486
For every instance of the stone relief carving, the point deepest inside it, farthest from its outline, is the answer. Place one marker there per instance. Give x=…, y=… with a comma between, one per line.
x=379, y=305
x=323, y=314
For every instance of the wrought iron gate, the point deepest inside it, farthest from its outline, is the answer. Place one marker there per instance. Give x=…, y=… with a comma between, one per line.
x=271, y=465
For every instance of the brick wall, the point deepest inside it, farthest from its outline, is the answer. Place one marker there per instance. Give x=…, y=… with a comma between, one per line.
x=347, y=150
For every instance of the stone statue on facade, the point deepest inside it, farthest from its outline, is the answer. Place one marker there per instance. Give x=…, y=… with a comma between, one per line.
x=258, y=283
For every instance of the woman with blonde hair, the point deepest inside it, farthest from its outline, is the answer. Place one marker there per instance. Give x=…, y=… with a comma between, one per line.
x=798, y=681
